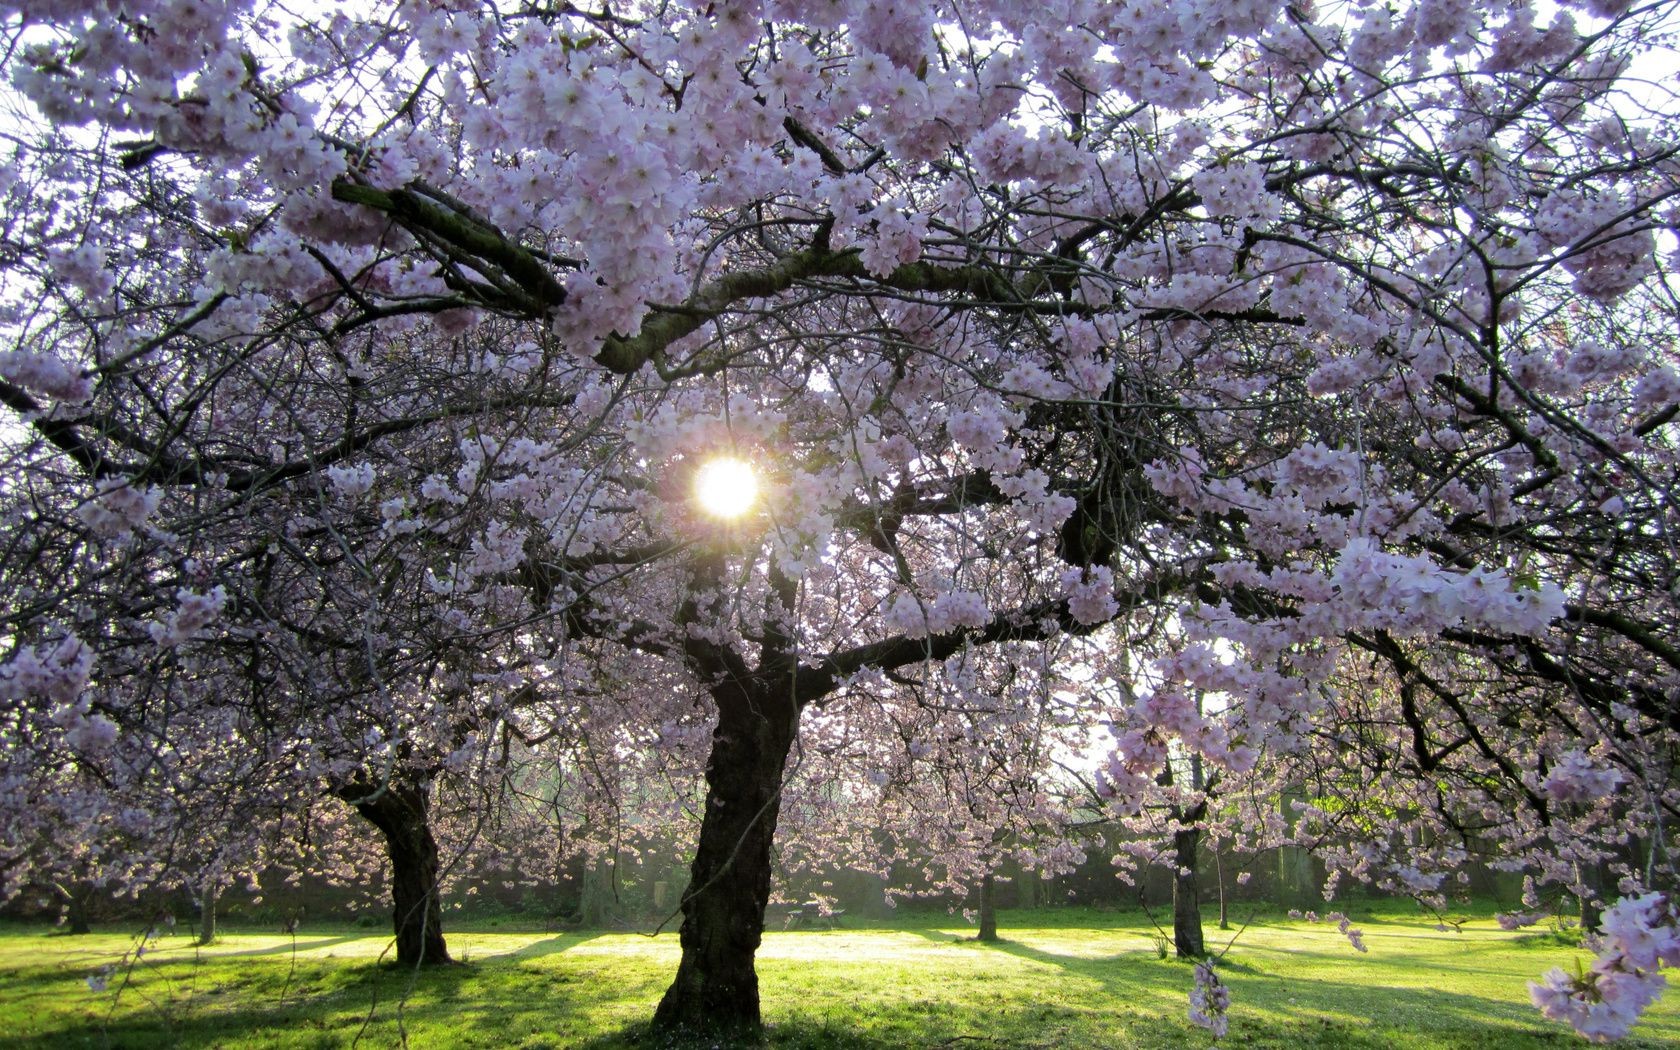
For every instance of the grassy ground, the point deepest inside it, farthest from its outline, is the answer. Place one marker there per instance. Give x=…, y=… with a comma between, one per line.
x=1065, y=978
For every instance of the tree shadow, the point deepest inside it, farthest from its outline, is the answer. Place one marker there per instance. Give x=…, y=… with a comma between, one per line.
x=555, y=945
x=333, y=999
x=538, y=996
x=1322, y=1011
x=1010, y=946
x=280, y=949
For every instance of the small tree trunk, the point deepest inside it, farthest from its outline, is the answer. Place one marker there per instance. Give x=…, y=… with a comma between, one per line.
x=76, y=908
x=988, y=908
x=716, y=987
x=597, y=906
x=1219, y=876
x=1026, y=889
x=1187, y=902
x=207, y=912
x=399, y=810
x=1187, y=905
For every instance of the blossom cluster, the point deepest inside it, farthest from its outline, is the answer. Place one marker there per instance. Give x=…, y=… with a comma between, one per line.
x=949, y=610
x=1090, y=594
x=1575, y=777
x=46, y=373
x=58, y=671
x=1638, y=938
x=118, y=508
x=193, y=612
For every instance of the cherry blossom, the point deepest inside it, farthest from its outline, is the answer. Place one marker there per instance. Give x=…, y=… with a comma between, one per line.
x=1292, y=386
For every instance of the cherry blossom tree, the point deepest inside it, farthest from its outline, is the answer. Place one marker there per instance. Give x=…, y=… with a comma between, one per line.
x=362, y=361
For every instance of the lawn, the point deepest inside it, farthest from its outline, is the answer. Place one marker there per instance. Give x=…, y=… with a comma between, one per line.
x=1068, y=978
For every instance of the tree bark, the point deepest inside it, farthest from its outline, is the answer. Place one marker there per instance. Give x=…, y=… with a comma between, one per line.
x=988, y=908
x=399, y=810
x=1187, y=905
x=207, y=912
x=716, y=986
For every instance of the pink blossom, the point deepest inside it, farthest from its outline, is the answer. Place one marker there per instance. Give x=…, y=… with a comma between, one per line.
x=352, y=480
x=46, y=373
x=1576, y=778
x=1090, y=593
x=192, y=614
x=118, y=509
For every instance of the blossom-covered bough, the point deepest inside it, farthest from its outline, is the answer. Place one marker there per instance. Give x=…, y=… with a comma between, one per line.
x=1318, y=360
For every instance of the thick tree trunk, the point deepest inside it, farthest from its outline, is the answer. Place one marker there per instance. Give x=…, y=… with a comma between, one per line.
x=1187, y=904
x=207, y=912
x=988, y=908
x=716, y=987
x=400, y=812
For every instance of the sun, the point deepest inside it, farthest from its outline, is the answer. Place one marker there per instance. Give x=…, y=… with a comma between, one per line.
x=726, y=487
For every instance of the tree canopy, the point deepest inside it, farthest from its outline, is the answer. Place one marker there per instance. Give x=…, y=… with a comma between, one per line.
x=1287, y=389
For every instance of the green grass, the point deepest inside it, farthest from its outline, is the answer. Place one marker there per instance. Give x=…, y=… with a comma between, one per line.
x=1066, y=978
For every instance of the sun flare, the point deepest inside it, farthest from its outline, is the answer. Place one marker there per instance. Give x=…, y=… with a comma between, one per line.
x=726, y=487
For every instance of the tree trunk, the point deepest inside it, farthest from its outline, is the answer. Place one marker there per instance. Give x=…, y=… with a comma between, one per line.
x=399, y=810
x=76, y=907
x=988, y=908
x=207, y=912
x=1219, y=876
x=1187, y=905
x=716, y=987
x=1026, y=888
x=597, y=904
x=1187, y=902
x=1586, y=879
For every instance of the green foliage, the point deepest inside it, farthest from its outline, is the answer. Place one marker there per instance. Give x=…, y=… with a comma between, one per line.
x=1063, y=978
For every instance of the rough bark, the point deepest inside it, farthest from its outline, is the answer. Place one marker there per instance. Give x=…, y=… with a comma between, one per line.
x=716, y=988
x=988, y=908
x=1187, y=904
x=207, y=912
x=399, y=811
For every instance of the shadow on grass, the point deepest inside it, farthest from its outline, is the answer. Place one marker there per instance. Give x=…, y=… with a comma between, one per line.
x=1283, y=1011
x=328, y=1002
x=563, y=942
x=287, y=948
x=539, y=996
x=1080, y=963
x=1156, y=1022
x=787, y=1035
